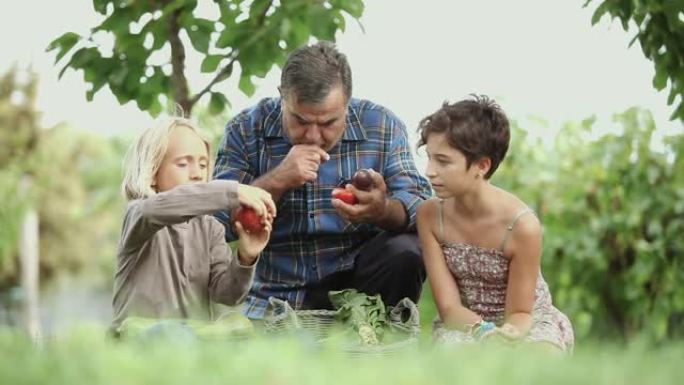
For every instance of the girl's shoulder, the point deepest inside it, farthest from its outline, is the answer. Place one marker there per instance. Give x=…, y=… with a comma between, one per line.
x=429, y=208
x=510, y=204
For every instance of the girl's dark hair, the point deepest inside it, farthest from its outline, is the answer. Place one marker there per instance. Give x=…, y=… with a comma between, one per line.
x=477, y=127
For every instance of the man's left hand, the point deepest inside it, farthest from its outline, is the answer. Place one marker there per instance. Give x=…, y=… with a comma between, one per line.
x=373, y=204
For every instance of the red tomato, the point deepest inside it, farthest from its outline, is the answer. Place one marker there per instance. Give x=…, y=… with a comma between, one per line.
x=250, y=220
x=345, y=196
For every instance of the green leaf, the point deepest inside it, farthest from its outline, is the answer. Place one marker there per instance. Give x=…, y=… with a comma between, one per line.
x=100, y=6
x=259, y=8
x=210, y=63
x=353, y=7
x=199, y=31
x=64, y=43
x=600, y=11
x=246, y=85
x=660, y=80
x=199, y=40
x=155, y=108
x=322, y=24
x=117, y=22
x=217, y=103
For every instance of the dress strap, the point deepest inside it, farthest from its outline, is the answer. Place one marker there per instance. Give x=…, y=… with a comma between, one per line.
x=509, y=228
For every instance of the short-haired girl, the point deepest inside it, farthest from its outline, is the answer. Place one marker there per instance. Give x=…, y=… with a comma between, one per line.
x=482, y=245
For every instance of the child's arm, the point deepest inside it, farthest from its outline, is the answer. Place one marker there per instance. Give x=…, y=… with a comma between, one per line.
x=525, y=249
x=444, y=286
x=144, y=217
x=229, y=277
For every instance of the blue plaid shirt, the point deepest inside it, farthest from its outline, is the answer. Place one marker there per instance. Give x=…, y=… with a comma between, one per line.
x=310, y=240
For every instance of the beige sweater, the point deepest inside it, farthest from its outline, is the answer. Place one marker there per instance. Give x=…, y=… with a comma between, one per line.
x=173, y=260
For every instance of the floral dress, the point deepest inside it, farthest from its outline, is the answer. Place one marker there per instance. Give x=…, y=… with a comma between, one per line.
x=482, y=278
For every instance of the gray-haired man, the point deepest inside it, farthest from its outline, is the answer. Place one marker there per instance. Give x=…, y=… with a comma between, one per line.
x=300, y=147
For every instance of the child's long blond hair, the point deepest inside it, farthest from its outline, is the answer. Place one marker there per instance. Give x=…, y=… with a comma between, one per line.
x=145, y=155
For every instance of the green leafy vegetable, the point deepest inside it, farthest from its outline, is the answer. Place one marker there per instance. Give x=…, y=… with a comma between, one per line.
x=365, y=313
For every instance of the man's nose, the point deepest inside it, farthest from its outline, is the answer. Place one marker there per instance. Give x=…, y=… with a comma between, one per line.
x=313, y=134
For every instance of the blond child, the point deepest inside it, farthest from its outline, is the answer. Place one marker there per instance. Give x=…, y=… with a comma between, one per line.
x=173, y=260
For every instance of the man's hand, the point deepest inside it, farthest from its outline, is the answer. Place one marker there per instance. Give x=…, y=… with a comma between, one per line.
x=373, y=204
x=300, y=165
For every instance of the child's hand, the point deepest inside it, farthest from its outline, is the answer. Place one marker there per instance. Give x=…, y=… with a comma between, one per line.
x=251, y=243
x=509, y=332
x=258, y=199
x=506, y=334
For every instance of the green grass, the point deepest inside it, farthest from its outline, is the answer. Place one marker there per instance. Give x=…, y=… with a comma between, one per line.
x=85, y=356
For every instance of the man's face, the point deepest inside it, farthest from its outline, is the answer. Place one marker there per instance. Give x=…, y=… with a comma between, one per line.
x=320, y=124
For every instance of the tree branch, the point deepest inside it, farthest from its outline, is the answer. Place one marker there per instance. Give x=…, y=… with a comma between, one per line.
x=178, y=79
x=261, y=22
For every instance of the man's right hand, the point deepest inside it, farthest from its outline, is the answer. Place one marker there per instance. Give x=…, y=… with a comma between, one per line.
x=300, y=165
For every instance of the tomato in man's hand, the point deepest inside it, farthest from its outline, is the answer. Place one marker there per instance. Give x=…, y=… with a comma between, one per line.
x=345, y=196
x=250, y=220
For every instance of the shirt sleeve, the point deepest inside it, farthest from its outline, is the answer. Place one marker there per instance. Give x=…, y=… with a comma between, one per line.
x=232, y=162
x=404, y=182
x=229, y=281
x=144, y=217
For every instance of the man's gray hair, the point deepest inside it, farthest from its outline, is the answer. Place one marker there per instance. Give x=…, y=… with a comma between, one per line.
x=311, y=72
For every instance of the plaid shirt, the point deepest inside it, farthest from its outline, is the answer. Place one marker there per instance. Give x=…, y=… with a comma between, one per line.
x=310, y=240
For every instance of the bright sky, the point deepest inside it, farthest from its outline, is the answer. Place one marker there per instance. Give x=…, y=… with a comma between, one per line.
x=536, y=57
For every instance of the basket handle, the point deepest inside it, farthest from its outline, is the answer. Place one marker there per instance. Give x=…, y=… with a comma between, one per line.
x=278, y=310
x=410, y=325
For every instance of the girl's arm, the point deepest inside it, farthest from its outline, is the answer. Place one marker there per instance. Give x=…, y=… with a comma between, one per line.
x=524, y=248
x=443, y=284
x=229, y=278
x=144, y=217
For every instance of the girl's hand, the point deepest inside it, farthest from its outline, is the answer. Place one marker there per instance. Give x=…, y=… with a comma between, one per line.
x=506, y=333
x=258, y=199
x=509, y=332
x=250, y=244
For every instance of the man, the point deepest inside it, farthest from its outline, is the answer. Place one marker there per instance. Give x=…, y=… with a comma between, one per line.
x=301, y=146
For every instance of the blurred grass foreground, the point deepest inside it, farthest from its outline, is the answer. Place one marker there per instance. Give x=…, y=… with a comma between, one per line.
x=86, y=356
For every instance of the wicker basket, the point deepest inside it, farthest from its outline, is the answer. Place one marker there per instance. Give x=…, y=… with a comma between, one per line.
x=404, y=320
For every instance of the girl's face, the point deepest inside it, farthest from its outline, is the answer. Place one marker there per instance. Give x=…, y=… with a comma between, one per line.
x=186, y=161
x=447, y=169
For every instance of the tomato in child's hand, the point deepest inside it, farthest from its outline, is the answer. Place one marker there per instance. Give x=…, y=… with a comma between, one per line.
x=362, y=180
x=345, y=196
x=250, y=220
